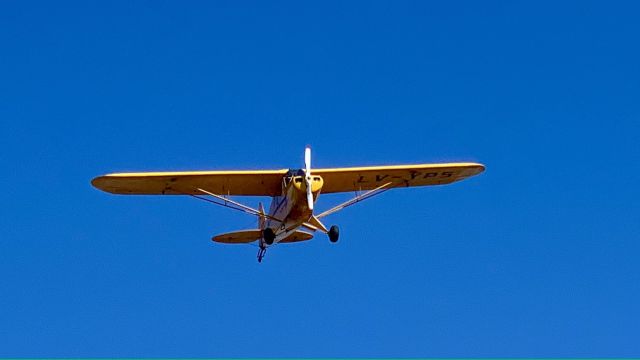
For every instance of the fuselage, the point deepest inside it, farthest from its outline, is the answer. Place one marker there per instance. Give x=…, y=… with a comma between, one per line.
x=290, y=210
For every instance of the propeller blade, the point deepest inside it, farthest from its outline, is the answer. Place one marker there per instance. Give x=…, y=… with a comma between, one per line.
x=307, y=177
x=307, y=160
x=309, y=197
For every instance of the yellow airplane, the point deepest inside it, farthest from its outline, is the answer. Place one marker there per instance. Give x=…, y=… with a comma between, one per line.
x=293, y=191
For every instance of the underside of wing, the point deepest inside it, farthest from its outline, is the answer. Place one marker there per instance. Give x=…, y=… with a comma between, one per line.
x=239, y=237
x=249, y=182
x=367, y=178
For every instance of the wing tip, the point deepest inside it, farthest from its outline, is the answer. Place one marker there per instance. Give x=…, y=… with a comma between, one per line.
x=473, y=169
x=105, y=183
x=98, y=183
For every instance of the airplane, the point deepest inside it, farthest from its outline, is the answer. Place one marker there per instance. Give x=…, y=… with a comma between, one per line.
x=294, y=193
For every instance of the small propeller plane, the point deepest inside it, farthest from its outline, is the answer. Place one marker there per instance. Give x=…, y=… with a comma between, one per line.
x=293, y=191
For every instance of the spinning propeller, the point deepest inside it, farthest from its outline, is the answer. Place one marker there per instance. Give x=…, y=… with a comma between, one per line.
x=307, y=177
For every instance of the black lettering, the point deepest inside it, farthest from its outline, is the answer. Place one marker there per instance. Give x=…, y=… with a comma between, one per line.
x=414, y=174
x=446, y=174
x=381, y=177
x=361, y=179
x=431, y=174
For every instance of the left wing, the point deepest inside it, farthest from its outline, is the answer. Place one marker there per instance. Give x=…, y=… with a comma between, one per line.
x=371, y=177
x=247, y=182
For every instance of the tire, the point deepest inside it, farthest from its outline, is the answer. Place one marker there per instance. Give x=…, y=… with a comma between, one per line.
x=268, y=235
x=334, y=233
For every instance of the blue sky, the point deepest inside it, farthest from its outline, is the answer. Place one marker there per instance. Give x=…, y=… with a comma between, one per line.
x=538, y=256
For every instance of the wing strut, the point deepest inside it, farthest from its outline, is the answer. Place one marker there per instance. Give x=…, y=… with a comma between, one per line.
x=228, y=203
x=371, y=193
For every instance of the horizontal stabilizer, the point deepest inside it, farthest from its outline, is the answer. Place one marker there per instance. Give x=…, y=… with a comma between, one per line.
x=239, y=237
x=297, y=236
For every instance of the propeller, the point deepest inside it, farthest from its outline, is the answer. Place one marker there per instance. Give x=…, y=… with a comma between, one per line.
x=307, y=177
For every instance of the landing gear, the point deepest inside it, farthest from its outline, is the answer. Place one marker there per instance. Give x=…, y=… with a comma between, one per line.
x=261, y=253
x=268, y=235
x=334, y=233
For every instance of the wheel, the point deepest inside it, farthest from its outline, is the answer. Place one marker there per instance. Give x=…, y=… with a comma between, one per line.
x=268, y=235
x=334, y=233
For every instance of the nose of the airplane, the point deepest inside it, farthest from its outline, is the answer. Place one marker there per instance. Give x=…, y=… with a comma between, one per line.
x=316, y=184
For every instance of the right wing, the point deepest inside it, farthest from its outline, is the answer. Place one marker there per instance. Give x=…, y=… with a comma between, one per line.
x=371, y=177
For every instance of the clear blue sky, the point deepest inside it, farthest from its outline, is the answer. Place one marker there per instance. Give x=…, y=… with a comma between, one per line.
x=538, y=256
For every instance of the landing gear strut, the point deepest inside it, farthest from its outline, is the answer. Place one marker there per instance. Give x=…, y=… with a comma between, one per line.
x=334, y=233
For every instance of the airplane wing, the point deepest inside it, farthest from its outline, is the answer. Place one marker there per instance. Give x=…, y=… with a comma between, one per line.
x=368, y=178
x=269, y=182
x=247, y=182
